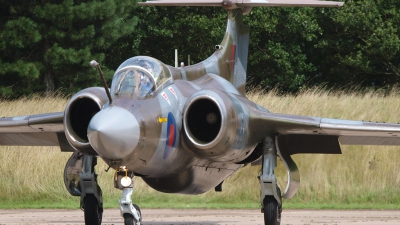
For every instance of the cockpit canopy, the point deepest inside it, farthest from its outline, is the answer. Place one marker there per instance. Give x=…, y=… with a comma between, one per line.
x=139, y=77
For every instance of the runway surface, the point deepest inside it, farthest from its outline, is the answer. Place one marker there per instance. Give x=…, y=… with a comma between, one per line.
x=205, y=217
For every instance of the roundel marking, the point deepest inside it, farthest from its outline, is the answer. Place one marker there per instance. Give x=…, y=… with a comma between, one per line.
x=171, y=135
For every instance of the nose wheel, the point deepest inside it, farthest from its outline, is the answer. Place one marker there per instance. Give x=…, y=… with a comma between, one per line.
x=130, y=220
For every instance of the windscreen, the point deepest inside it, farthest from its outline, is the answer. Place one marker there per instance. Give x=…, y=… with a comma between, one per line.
x=133, y=81
x=139, y=77
x=156, y=69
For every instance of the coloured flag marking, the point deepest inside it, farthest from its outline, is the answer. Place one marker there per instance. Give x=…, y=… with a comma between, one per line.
x=171, y=135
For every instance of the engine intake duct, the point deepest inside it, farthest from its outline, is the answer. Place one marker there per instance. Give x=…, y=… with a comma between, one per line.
x=204, y=120
x=78, y=113
x=209, y=130
x=82, y=111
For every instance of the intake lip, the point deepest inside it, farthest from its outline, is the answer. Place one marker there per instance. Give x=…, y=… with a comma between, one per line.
x=78, y=113
x=205, y=119
x=113, y=132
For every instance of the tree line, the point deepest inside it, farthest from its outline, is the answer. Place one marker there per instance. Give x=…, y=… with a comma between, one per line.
x=47, y=45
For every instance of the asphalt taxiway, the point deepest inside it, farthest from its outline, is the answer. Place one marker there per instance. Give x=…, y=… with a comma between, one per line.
x=205, y=217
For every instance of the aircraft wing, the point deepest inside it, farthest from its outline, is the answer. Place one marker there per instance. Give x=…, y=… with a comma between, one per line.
x=243, y=3
x=349, y=132
x=34, y=130
x=303, y=134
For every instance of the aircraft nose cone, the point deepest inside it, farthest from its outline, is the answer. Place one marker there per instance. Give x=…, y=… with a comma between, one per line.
x=113, y=132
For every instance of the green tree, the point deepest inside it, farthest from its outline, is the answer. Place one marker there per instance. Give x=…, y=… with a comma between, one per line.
x=360, y=44
x=293, y=48
x=356, y=45
x=279, y=40
x=47, y=45
x=193, y=31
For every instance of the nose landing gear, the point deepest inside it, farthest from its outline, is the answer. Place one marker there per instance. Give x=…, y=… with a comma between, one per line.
x=130, y=212
x=81, y=180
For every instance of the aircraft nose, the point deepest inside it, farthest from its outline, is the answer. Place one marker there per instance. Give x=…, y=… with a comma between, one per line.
x=113, y=132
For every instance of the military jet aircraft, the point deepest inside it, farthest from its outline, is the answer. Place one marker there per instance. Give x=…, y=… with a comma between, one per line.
x=186, y=129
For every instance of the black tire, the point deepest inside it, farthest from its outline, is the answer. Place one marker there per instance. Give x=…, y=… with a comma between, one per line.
x=271, y=211
x=93, y=213
x=130, y=220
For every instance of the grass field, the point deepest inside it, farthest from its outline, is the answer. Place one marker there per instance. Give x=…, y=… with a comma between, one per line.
x=362, y=177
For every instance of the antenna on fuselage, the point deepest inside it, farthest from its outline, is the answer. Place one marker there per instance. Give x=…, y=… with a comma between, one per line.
x=176, y=58
x=96, y=65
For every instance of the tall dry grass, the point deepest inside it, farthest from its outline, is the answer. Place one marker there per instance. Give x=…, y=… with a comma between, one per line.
x=362, y=174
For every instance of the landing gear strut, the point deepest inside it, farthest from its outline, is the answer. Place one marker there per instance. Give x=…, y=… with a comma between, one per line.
x=130, y=212
x=91, y=195
x=271, y=200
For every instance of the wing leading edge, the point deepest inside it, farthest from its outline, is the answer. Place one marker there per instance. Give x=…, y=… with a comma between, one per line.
x=34, y=130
